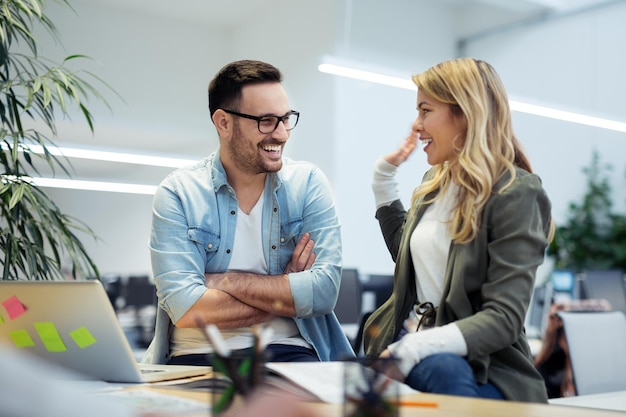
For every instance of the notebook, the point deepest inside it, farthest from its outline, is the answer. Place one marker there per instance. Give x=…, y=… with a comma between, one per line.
x=73, y=324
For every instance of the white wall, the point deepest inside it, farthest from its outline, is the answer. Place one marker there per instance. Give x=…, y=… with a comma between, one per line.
x=574, y=63
x=121, y=222
x=577, y=63
x=161, y=68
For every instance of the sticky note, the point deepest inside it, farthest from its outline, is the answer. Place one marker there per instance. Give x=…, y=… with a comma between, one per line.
x=50, y=337
x=1, y=319
x=14, y=307
x=21, y=338
x=82, y=337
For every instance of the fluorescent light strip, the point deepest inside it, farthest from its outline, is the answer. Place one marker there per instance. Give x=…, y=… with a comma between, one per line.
x=567, y=116
x=517, y=106
x=108, y=157
x=373, y=77
x=94, y=185
x=128, y=158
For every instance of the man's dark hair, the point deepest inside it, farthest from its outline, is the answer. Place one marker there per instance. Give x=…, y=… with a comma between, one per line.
x=225, y=88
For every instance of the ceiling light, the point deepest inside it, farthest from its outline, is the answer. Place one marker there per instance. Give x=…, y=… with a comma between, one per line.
x=128, y=158
x=373, y=77
x=157, y=161
x=567, y=116
x=518, y=106
x=94, y=185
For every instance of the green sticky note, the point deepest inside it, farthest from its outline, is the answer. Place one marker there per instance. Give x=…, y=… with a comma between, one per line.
x=21, y=338
x=82, y=337
x=1, y=319
x=50, y=337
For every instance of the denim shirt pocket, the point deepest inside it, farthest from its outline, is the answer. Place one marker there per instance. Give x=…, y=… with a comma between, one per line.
x=208, y=241
x=290, y=232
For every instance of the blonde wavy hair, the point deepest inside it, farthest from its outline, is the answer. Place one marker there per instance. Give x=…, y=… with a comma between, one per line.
x=473, y=90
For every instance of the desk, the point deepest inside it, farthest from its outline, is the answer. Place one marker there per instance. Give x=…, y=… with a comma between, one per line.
x=448, y=406
x=607, y=401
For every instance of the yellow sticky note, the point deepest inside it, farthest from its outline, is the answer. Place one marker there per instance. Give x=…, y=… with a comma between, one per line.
x=82, y=337
x=21, y=338
x=50, y=337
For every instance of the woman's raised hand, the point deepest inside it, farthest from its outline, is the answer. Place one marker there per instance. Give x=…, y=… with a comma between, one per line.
x=405, y=149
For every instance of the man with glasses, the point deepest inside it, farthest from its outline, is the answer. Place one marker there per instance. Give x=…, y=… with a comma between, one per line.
x=247, y=239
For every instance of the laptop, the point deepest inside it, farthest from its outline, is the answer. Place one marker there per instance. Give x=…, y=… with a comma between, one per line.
x=73, y=324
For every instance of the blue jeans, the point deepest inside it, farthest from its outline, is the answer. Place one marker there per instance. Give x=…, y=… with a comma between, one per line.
x=446, y=373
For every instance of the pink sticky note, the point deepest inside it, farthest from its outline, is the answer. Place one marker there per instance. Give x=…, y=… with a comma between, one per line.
x=14, y=307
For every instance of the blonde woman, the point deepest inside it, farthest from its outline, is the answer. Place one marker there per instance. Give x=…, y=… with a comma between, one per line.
x=467, y=250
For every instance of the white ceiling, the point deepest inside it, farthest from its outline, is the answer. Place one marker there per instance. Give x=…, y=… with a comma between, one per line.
x=236, y=12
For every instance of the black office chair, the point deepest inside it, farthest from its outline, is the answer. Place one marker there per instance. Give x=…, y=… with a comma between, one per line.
x=348, y=307
x=113, y=286
x=381, y=286
x=606, y=284
x=349, y=302
x=140, y=296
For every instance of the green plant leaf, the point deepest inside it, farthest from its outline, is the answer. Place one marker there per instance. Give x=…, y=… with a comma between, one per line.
x=35, y=236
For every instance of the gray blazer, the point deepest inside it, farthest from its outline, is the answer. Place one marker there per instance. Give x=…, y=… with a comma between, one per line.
x=488, y=284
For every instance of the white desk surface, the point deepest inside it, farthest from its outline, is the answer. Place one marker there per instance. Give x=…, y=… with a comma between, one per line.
x=615, y=401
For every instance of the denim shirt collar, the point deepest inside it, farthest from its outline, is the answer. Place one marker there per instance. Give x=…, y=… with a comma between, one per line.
x=218, y=174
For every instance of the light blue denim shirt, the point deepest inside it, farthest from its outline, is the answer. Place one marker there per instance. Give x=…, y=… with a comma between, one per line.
x=193, y=231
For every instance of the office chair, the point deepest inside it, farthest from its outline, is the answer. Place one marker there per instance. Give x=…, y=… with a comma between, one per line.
x=348, y=307
x=380, y=285
x=140, y=296
x=596, y=343
x=606, y=284
x=113, y=287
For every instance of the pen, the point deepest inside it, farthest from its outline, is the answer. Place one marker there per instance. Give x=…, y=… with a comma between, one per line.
x=213, y=335
x=216, y=339
x=409, y=403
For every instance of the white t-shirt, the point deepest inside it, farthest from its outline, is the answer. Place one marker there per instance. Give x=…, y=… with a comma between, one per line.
x=247, y=255
x=430, y=244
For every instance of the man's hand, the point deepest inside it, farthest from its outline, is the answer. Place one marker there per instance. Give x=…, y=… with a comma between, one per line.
x=302, y=257
x=263, y=295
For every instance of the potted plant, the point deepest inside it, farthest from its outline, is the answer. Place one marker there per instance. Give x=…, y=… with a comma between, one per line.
x=593, y=237
x=35, y=236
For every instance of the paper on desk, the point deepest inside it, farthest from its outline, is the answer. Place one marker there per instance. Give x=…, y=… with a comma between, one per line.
x=322, y=380
x=146, y=401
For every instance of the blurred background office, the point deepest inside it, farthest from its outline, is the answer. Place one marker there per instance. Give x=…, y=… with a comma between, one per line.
x=160, y=55
x=558, y=59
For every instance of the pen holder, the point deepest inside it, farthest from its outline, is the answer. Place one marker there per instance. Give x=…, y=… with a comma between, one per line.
x=368, y=392
x=243, y=374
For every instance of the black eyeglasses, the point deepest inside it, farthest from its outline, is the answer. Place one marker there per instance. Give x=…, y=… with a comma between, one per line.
x=268, y=124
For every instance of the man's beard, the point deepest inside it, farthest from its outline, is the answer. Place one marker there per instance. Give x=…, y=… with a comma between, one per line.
x=247, y=156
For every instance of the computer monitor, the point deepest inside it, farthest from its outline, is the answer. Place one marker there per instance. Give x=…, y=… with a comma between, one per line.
x=564, y=284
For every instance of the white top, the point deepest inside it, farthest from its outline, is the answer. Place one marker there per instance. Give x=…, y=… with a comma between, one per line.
x=430, y=244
